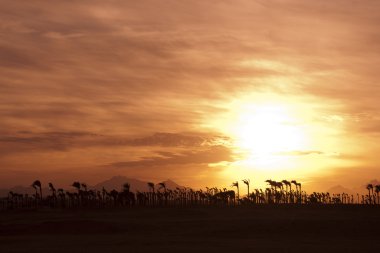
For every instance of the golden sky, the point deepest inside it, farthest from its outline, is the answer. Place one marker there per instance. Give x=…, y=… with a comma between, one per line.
x=201, y=92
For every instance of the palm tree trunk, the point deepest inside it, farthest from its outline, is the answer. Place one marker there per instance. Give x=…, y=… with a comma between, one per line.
x=248, y=192
x=369, y=196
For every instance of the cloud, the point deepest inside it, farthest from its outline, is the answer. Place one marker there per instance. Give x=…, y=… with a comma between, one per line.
x=301, y=153
x=25, y=141
x=214, y=154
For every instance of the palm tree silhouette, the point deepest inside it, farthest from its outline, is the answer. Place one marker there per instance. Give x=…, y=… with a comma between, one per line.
x=151, y=186
x=377, y=190
x=37, y=184
x=84, y=186
x=162, y=185
x=126, y=187
x=288, y=191
x=236, y=184
x=247, y=181
x=52, y=189
x=151, y=193
x=53, y=193
x=296, y=184
x=369, y=188
x=77, y=185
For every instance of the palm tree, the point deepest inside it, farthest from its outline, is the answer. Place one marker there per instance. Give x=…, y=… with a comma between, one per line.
x=165, y=194
x=162, y=185
x=236, y=184
x=84, y=186
x=151, y=186
x=377, y=190
x=247, y=181
x=77, y=185
x=152, y=192
x=37, y=184
x=270, y=182
x=52, y=189
x=126, y=187
x=288, y=191
x=300, y=186
x=286, y=183
x=369, y=188
x=295, y=183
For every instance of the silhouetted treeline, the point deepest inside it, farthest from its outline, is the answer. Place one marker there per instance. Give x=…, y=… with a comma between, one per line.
x=277, y=193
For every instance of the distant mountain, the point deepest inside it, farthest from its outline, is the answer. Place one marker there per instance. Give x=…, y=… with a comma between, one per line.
x=117, y=182
x=172, y=185
x=338, y=189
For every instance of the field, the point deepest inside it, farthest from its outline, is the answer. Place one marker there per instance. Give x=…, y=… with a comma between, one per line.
x=266, y=228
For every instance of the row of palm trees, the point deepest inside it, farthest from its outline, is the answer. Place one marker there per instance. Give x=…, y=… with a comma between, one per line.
x=277, y=192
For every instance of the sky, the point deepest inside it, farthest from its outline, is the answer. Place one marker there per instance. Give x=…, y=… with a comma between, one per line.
x=202, y=92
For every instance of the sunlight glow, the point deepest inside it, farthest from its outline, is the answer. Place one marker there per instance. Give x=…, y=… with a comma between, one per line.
x=266, y=133
x=268, y=129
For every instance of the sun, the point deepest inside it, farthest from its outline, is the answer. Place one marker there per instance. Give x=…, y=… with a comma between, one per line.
x=268, y=130
x=267, y=133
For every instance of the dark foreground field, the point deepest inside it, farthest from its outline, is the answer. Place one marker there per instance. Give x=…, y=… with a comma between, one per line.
x=246, y=229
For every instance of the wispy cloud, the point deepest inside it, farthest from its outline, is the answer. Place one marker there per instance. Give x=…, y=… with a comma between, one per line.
x=213, y=154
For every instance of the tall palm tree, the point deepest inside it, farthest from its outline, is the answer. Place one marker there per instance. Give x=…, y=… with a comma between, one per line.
x=247, y=181
x=151, y=192
x=288, y=190
x=300, y=186
x=377, y=190
x=236, y=184
x=369, y=188
x=295, y=183
x=286, y=183
x=37, y=184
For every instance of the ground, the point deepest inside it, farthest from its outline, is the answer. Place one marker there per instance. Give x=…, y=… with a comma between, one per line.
x=201, y=229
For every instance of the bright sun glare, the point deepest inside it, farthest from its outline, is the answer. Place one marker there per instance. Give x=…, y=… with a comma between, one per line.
x=267, y=134
x=268, y=130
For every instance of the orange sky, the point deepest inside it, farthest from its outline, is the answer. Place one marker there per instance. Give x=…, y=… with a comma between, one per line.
x=201, y=92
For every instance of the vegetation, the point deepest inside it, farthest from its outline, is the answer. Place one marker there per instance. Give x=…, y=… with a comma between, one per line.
x=277, y=193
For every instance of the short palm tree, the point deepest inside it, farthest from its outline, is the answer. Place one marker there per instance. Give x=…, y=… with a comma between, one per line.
x=84, y=186
x=151, y=186
x=162, y=185
x=77, y=185
x=126, y=187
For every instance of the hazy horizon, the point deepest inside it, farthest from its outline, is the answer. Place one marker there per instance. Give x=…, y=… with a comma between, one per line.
x=202, y=92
